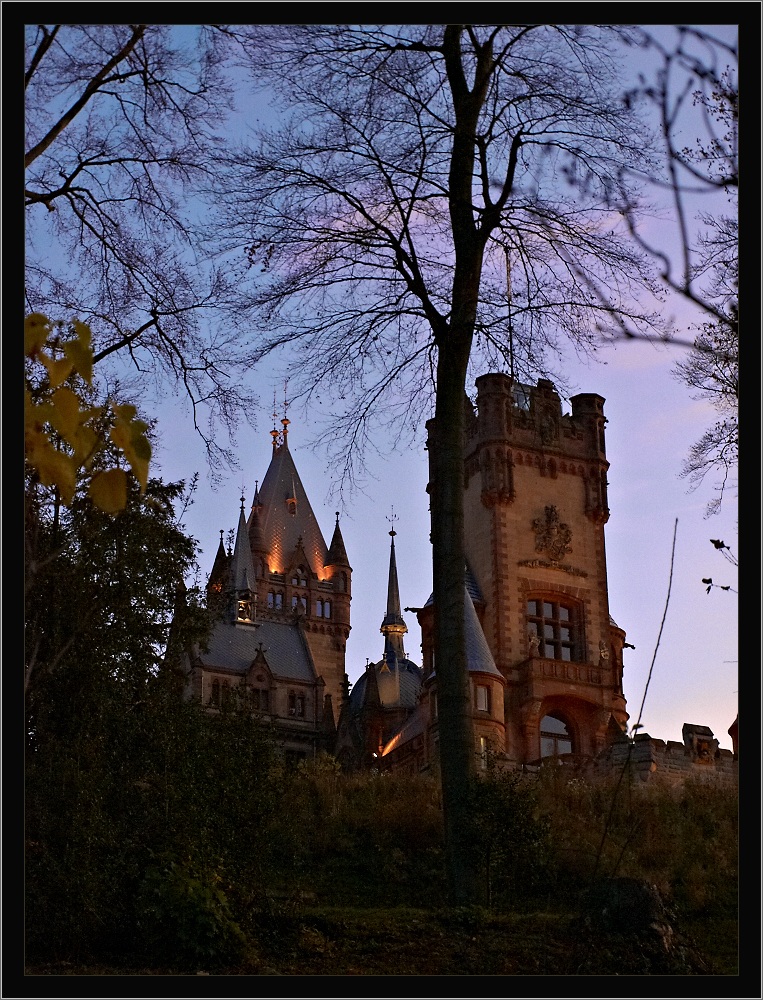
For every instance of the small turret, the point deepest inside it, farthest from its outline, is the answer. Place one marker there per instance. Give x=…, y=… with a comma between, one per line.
x=393, y=627
x=219, y=577
x=243, y=582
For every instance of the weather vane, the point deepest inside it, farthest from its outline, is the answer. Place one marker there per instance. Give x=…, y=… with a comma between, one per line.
x=392, y=518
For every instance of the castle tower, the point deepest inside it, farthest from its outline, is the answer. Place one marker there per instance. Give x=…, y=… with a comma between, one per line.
x=535, y=510
x=282, y=640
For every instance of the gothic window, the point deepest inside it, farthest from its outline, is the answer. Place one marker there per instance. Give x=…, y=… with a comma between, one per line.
x=556, y=628
x=215, y=699
x=343, y=583
x=226, y=693
x=326, y=609
x=299, y=600
x=260, y=699
x=271, y=599
x=483, y=698
x=555, y=738
x=279, y=602
x=296, y=704
x=319, y=609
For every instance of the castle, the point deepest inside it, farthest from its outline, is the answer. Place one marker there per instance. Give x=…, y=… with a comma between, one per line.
x=545, y=657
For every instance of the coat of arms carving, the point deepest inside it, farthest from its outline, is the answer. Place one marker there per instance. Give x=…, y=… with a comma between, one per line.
x=552, y=535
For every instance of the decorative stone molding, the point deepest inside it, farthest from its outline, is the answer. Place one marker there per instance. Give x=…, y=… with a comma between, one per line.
x=552, y=535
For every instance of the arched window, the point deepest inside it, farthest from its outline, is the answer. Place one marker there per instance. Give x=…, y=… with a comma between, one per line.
x=326, y=609
x=556, y=627
x=555, y=737
x=343, y=583
x=271, y=599
x=226, y=693
x=319, y=609
x=279, y=602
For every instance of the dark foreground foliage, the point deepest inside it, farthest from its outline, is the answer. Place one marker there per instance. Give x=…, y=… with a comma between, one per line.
x=232, y=865
x=156, y=833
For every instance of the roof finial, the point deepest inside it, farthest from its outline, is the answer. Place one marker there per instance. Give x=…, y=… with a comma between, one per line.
x=285, y=422
x=274, y=432
x=337, y=517
x=392, y=518
x=243, y=490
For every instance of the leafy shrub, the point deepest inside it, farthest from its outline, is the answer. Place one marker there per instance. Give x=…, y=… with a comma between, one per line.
x=187, y=916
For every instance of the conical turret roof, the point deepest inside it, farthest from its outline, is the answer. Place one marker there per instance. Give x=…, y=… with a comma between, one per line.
x=218, y=578
x=256, y=538
x=242, y=567
x=286, y=515
x=337, y=554
x=478, y=655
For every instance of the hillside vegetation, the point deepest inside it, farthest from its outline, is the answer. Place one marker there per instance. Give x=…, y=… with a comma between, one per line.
x=161, y=832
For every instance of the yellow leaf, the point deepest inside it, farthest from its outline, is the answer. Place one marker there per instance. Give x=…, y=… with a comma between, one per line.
x=36, y=332
x=84, y=335
x=58, y=371
x=108, y=490
x=81, y=357
x=53, y=467
x=66, y=415
x=128, y=434
x=124, y=412
x=86, y=444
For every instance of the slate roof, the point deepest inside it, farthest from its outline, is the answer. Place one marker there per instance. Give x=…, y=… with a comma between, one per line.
x=281, y=529
x=471, y=585
x=410, y=684
x=413, y=726
x=233, y=647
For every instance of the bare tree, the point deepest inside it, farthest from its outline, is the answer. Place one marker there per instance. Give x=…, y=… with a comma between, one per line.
x=694, y=91
x=122, y=122
x=372, y=226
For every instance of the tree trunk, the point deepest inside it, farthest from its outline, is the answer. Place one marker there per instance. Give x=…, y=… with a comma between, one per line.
x=456, y=732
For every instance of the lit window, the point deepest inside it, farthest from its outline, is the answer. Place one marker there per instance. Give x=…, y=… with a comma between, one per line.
x=554, y=626
x=555, y=738
x=483, y=698
x=484, y=748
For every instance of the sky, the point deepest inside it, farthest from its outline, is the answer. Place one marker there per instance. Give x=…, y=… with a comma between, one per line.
x=684, y=670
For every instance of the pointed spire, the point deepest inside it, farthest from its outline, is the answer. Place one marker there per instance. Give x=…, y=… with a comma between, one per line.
x=337, y=554
x=393, y=626
x=242, y=567
x=218, y=578
x=256, y=538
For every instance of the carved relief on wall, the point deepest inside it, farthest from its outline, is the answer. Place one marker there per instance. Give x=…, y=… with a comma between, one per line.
x=552, y=535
